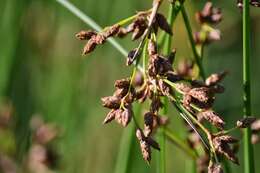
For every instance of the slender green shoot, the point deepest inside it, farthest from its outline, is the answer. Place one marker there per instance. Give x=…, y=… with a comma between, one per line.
x=180, y=143
x=192, y=42
x=248, y=148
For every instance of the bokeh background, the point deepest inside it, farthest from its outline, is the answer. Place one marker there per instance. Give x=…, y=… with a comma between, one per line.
x=42, y=72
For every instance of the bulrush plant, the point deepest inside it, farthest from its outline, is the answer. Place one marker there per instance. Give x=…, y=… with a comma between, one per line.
x=154, y=80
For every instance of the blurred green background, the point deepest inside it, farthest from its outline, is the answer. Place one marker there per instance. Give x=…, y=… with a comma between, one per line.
x=42, y=71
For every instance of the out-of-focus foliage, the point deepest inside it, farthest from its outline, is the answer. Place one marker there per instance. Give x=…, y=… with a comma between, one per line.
x=42, y=72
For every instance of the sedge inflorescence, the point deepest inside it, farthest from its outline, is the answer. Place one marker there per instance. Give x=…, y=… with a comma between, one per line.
x=192, y=96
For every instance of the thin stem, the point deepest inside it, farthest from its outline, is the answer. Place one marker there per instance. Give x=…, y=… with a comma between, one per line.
x=248, y=148
x=126, y=144
x=166, y=50
x=192, y=42
x=180, y=143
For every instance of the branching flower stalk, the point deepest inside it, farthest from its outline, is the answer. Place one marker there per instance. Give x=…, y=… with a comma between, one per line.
x=193, y=98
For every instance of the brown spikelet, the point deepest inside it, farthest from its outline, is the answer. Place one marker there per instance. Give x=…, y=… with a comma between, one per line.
x=222, y=147
x=152, y=49
x=228, y=139
x=213, y=118
x=123, y=117
x=132, y=55
x=202, y=94
x=153, y=143
x=215, y=78
x=148, y=123
x=122, y=83
x=111, y=31
x=255, y=126
x=245, y=122
x=85, y=35
x=89, y=47
x=215, y=168
x=111, y=102
x=110, y=116
x=255, y=139
x=209, y=14
x=163, y=24
x=145, y=147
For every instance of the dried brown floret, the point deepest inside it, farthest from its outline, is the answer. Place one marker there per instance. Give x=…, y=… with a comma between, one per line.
x=209, y=14
x=111, y=102
x=228, y=139
x=245, y=122
x=148, y=123
x=85, y=35
x=255, y=126
x=152, y=49
x=111, y=31
x=213, y=118
x=145, y=147
x=153, y=143
x=163, y=24
x=89, y=46
x=139, y=26
x=255, y=3
x=122, y=83
x=156, y=105
x=124, y=116
x=255, y=139
x=158, y=65
x=184, y=88
x=132, y=55
x=215, y=168
x=215, y=78
x=185, y=68
x=202, y=94
x=222, y=147
x=165, y=89
x=217, y=89
x=110, y=116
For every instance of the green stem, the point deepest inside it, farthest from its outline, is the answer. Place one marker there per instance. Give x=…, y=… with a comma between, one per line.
x=166, y=50
x=126, y=143
x=180, y=143
x=248, y=148
x=192, y=42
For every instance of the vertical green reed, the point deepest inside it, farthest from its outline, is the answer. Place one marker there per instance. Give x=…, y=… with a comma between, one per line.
x=248, y=148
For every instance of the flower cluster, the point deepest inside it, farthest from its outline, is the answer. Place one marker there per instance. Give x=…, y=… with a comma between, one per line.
x=192, y=97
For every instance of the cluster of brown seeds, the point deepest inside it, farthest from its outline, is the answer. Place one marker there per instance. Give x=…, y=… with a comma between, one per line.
x=41, y=157
x=208, y=16
x=255, y=3
x=190, y=96
x=255, y=127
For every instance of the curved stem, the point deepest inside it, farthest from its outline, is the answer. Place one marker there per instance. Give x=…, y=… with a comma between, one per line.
x=180, y=143
x=192, y=42
x=248, y=148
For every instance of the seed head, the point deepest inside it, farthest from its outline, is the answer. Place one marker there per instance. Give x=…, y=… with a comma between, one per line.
x=111, y=102
x=245, y=122
x=255, y=126
x=213, y=118
x=110, y=116
x=215, y=78
x=163, y=24
x=215, y=168
x=85, y=35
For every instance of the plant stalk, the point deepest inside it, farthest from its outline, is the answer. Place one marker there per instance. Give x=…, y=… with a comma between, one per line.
x=248, y=148
x=192, y=42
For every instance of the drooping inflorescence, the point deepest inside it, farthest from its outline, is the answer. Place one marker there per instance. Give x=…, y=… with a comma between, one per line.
x=192, y=97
